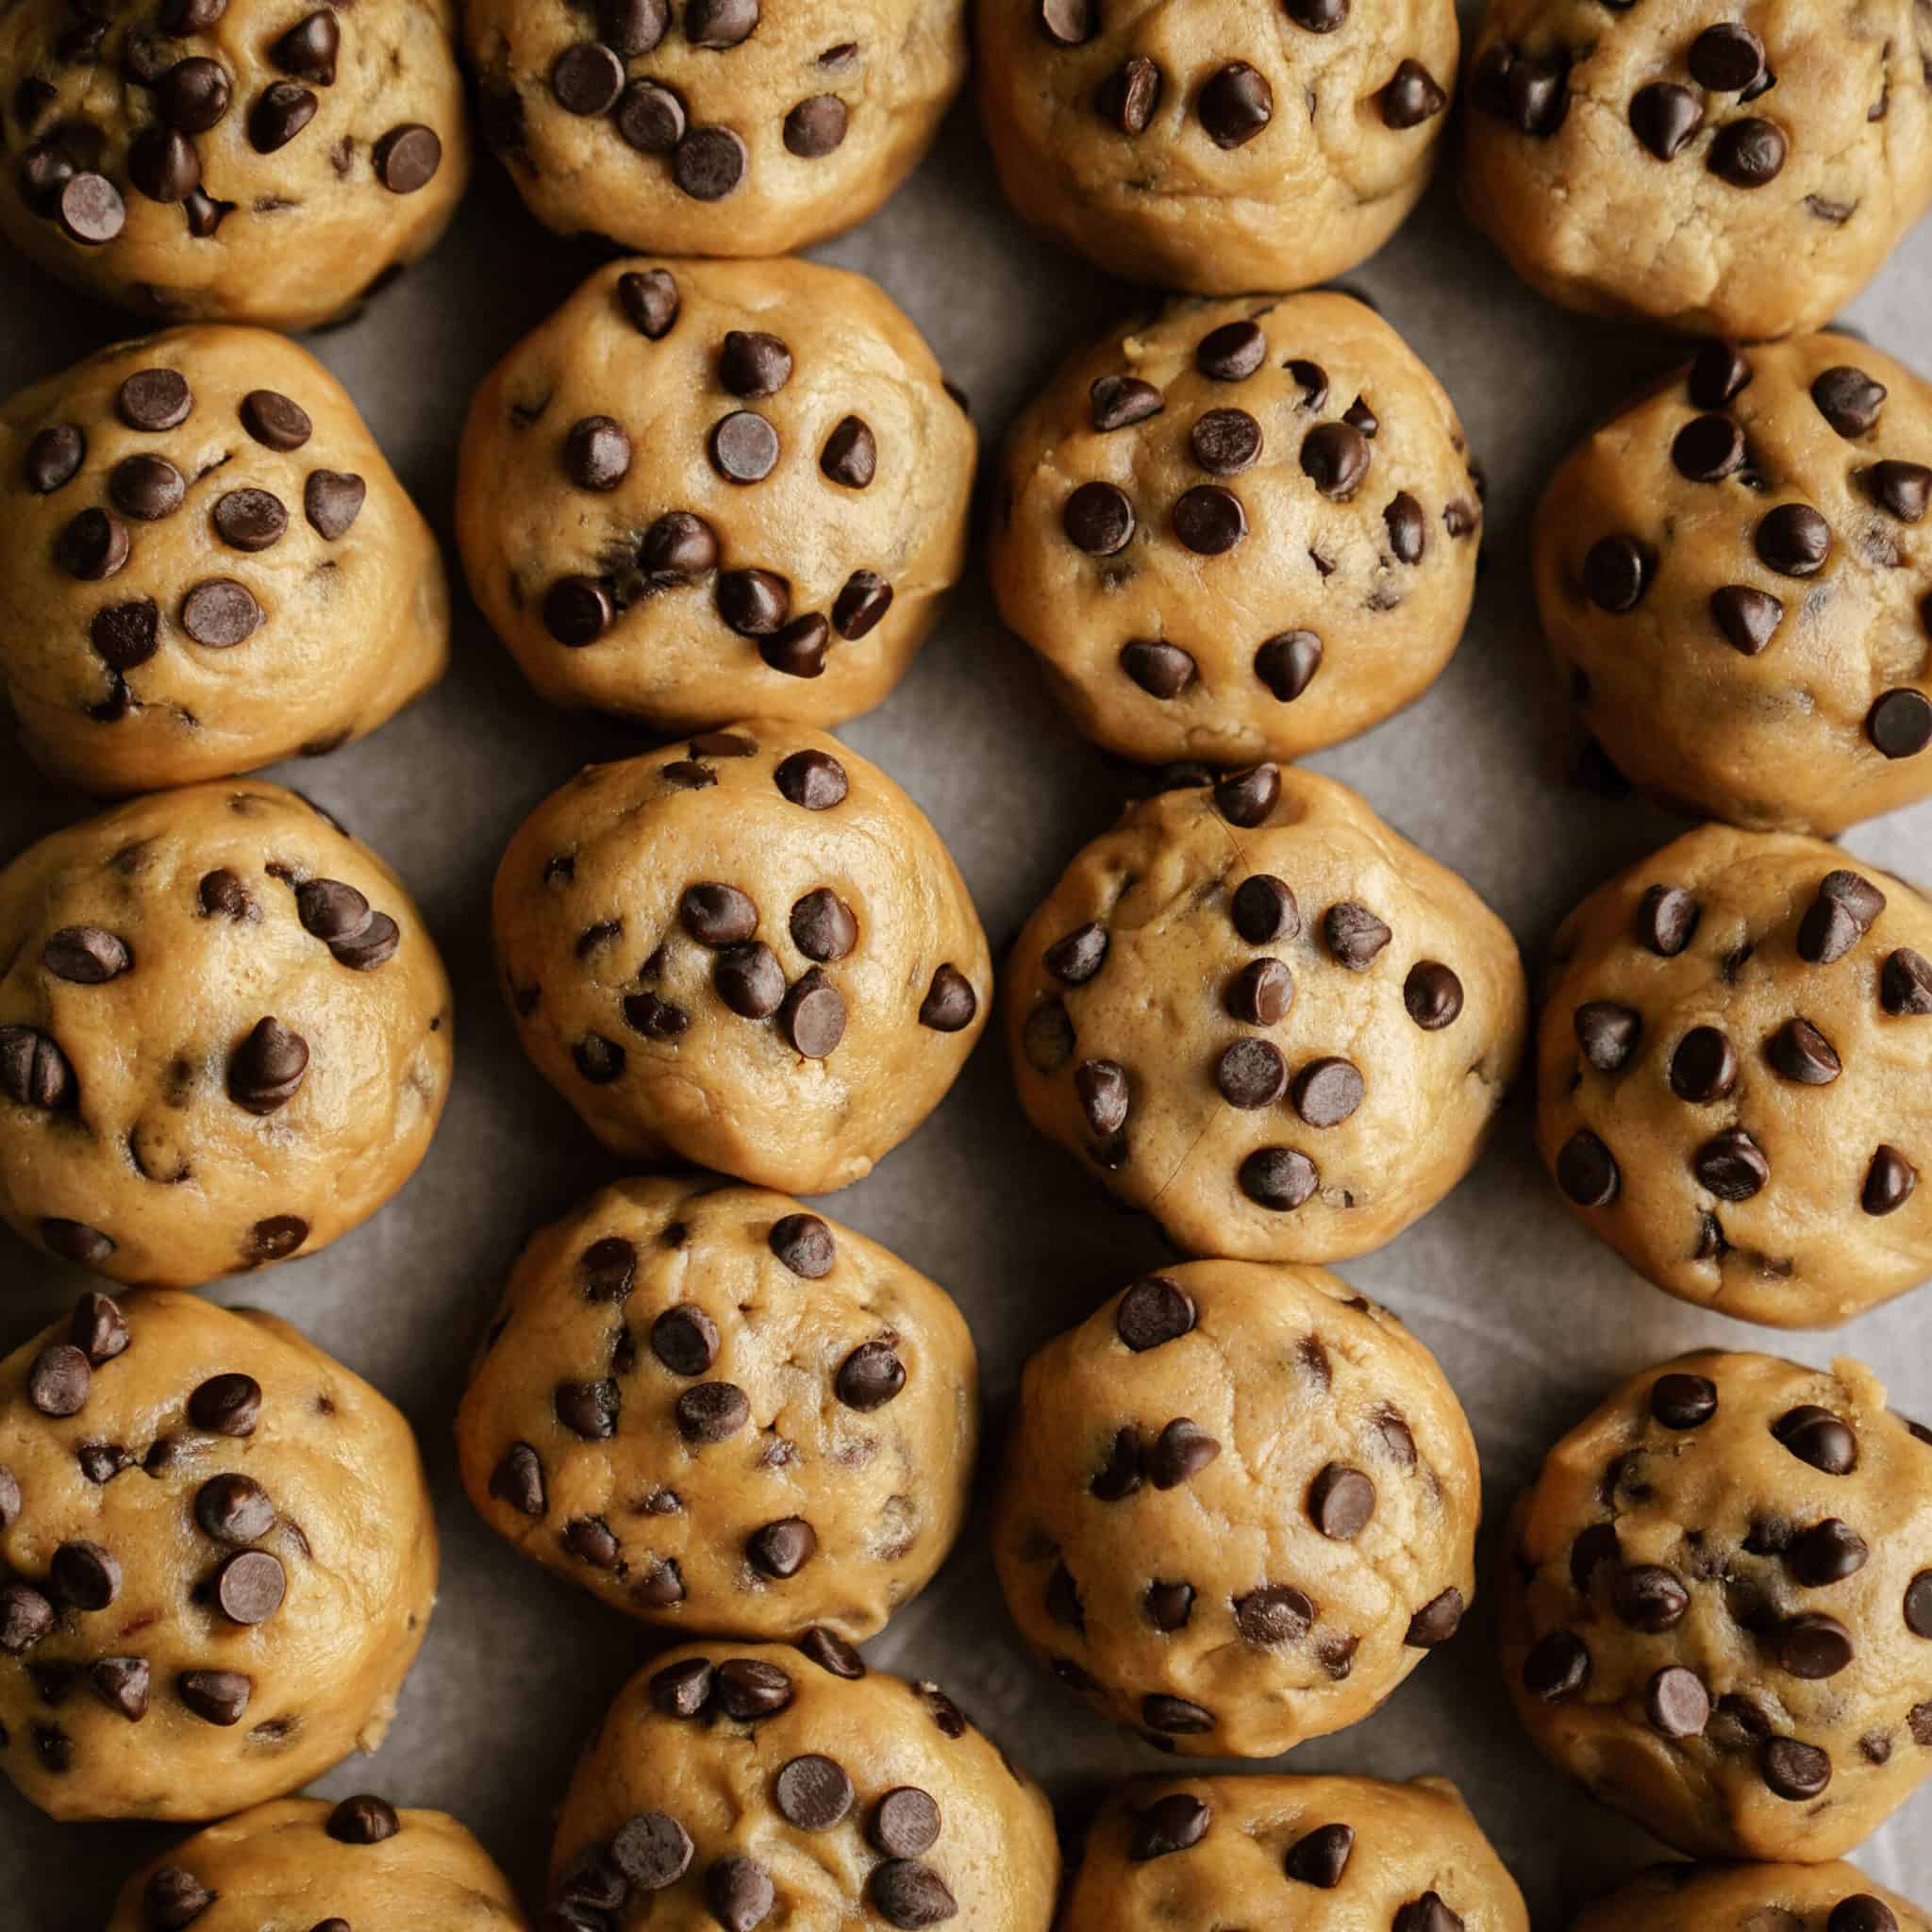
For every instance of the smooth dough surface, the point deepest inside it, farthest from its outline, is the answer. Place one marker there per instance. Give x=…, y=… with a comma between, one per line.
x=224, y=1035
x=1799, y=145
x=1280, y=555
x=1320, y=1854
x=1718, y=1606
x=1732, y=1076
x=725, y=1780
x=1731, y=652
x=1300, y=1095
x=713, y=127
x=220, y=1557
x=190, y=600
x=264, y=163
x=751, y=949
x=1239, y=1507
x=755, y=504
x=359, y=1860
x=1753, y=1898
x=1216, y=147
x=723, y=1413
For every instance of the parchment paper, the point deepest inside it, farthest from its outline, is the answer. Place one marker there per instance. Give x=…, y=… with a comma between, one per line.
x=1530, y=1316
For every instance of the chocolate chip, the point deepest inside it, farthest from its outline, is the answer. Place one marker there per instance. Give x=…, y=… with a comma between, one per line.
x=813, y=779
x=1175, y=1717
x=1260, y=994
x=712, y=1411
x=597, y=453
x=868, y=1378
x=1341, y=1502
x=1074, y=959
x=226, y=1404
x=804, y=1244
x=1905, y=984
x=1320, y=1856
x=407, y=158
x=280, y=113
x=85, y=1575
x=630, y=28
x=909, y=1895
x=234, y=1509
x=1731, y=1165
x=92, y=546
x=813, y=1015
x=54, y=458
x=1838, y=918
x=172, y=1898
x=813, y=1792
x=1127, y=98
x=89, y=208
x=1067, y=23
x=518, y=1480
x=1098, y=519
x=1208, y=519
x=1708, y=449
x=717, y=915
x=1411, y=97
x=1666, y=919
x=162, y=163
x=1175, y=1823
x=681, y=1690
x=1826, y=1553
x=588, y=1409
x=754, y=603
x=1355, y=935
x=586, y=79
x=250, y=519
x=308, y=49
x=1900, y=723
x=905, y=1824
x=332, y=501
x=221, y=613
x=249, y=1587
x=33, y=1070
x=1263, y=910
x=1117, y=402
x=1889, y=1182
x=121, y=1684
x=1814, y=1434
x=1802, y=1054
x=1727, y=59
x=1231, y=352
x=1335, y=456
x=649, y=299
x=740, y=1894
x=1317, y=16
x=1169, y=1605
x=1557, y=1668
x=1287, y=664
x=193, y=95
x=782, y=1549
x=1813, y=1646
x=1326, y=1091
x=26, y=1618
x=1437, y=1622
x=815, y=126
x=268, y=1068
x=709, y=163
x=1226, y=441
x=1849, y=400
x=1718, y=376
x=1861, y=1913
x=217, y=1697
x=850, y=455
x=146, y=488
x=950, y=1003
x=1234, y=105
x=1587, y=1171
x=1251, y=1074
x=1616, y=573
x=1163, y=671
x=1793, y=540
x=1277, y=1179
x=1795, y=1771
x=1246, y=798
x=1153, y=1312
x=750, y=981
x=1703, y=1067
x=1182, y=1450
x=1665, y=117
x=1432, y=995
x=831, y=1652
x=1747, y=617
x=685, y=1340
x=652, y=118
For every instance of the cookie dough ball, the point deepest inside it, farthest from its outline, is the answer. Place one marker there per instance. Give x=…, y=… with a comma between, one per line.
x=1262, y=1016
x=230, y=163
x=280, y=1863
x=797, y=1788
x=1732, y=1076
x=1210, y=147
x=1719, y=1606
x=1754, y=1898
x=751, y=950
x=1740, y=170
x=720, y=1412
x=219, y=1560
x=716, y=487
x=1321, y=1854
x=206, y=564
x=1722, y=572
x=1238, y=529
x=224, y=1036
x=1239, y=1507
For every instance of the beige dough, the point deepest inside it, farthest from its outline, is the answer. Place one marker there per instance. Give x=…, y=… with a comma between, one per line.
x=1753, y=1898
x=201, y=159
x=219, y=1560
x=1215, y=147
x=1799, y=136
x=1259, y=1014
x=1731, y=652
x=1319, y=1854
x=610, y=547
x=1732, y=1076
x=773, y=1786
x=720, y=1412
x=750, y=949
x=224, y=1036
x=190, y=600
x=1718, y=1612
x=713, y=127
x=1272, y=560
x=1239, y=1507
x=361, y=1862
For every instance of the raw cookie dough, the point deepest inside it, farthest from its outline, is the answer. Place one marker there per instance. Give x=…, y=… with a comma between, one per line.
x=1262, y=1016
x=751, y=949
x=239, y=163
x=1732, y=1076
x=1737, y=170
x=1216, y=147
x=206, y=564
x=219, y=1560
x=224, y=1035
x=1753, y=1898
x=723, y=1413
x=716, y=487
x=1239, y=1507
x=362, y=1861
x=1320, y=1854
x=798, y=1788
x=1238, y=529
x=723, y=131
x=1717, y=1609
x=1724, y=575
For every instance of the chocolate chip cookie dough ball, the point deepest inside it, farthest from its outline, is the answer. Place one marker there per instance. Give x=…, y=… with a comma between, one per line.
x=1722, y=170
x=798, y=1788
x=712, y=127
x=224, y=1036
x=1732, y=1079
x=1754, y=1898
x=362, y=1860
x=219, y=1560
x=1321, y=1854
x=716, y=487
x=722, y=1413
x=1239, y=1507
x=1238, y=529
x=1719, y=1606
x=244, y=162
x=206, y=564
x=751, y=949
x=1723, y=573
x=1262, y=1016
x=1216, y=148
